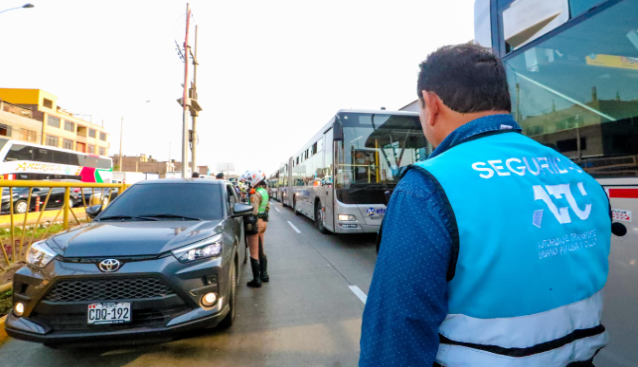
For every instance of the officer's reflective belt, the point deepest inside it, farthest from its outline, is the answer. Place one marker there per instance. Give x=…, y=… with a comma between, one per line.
x=526, y=352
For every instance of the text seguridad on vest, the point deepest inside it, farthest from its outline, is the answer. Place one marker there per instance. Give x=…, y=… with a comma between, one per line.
x=543, y=165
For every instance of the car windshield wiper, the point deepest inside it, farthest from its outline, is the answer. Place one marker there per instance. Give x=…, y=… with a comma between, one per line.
x=168, y=216
x=124, y=217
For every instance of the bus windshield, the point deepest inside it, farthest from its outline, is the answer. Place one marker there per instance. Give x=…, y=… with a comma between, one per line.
x=374, y=148
x=577, y=92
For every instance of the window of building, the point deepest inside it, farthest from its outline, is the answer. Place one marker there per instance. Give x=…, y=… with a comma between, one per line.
x=92, y=133
x=69, y=126
x=91, y=149
x=102, y=136
x=81, y=130
x=102, y=151
x=52, y=140
x=31, y=135
x=5, y=130
x=67, y=144
x=53, y=121
x=47, y=103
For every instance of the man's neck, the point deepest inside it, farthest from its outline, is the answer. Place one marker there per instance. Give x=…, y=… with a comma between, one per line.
x=458, y=119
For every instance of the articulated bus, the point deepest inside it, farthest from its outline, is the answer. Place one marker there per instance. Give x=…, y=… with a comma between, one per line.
x=26, y=161
x=573, y=73
x=340, y=176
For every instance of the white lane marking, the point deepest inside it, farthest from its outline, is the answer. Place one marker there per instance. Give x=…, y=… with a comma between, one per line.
x=293, y=227
x=277, y=209
x=358, y=292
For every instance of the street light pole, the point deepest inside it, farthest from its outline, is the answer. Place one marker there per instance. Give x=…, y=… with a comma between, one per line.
x=121, y=130
x=25, y=6
x=194, y=112
x=185, y=99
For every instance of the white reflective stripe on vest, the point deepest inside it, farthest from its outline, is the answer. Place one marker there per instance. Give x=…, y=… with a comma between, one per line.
x=579, y=350
x=525, y=331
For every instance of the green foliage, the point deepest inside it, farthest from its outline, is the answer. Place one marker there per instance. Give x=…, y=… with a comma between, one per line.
x=5, y=302
x=6, y=233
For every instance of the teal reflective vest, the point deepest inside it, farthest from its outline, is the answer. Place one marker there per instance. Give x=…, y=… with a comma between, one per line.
x=534, y=235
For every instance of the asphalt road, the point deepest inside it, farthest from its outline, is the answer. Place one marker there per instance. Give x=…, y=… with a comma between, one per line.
x=308, y=315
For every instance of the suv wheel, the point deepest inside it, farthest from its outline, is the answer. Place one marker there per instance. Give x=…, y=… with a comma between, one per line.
x=232, y=299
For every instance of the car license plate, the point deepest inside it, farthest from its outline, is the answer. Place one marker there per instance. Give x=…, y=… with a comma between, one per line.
x=109, y=313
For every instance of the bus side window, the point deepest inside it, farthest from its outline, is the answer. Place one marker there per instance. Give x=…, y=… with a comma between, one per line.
x=44, y=155
x=19, y=152
x=104, y=163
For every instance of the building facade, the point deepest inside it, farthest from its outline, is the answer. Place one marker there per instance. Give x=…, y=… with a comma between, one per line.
x=17, y=123
x=58, y=127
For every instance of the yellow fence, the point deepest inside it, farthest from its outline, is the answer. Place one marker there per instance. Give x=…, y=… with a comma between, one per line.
x=27, y=195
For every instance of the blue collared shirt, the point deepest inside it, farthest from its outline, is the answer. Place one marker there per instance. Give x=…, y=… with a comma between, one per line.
x=407, y=301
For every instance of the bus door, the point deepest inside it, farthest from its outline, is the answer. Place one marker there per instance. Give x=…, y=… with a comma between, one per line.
x=327, y=188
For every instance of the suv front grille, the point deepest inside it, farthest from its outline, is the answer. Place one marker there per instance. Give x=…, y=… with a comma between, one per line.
x=78, y=290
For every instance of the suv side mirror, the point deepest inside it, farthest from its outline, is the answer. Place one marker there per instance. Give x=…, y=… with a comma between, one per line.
x=93, y=211
x=240, y=210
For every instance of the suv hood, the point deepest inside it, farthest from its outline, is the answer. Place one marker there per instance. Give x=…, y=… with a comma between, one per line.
x=131, y=238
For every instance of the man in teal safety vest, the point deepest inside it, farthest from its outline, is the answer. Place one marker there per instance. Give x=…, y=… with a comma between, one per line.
x=494, y=250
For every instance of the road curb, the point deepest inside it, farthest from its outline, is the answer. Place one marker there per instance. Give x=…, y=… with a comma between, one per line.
x=3, y=333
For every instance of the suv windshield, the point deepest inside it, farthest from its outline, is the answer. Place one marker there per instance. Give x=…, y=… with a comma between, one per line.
x=167, y=202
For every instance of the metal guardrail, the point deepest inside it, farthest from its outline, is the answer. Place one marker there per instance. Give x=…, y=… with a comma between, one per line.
x=18, y=248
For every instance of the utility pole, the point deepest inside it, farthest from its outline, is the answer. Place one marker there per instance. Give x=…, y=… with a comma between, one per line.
x=194, y=112
x=121, y=129
x=185, y=99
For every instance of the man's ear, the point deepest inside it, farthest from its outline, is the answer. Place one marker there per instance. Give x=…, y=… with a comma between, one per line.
x=433, y=106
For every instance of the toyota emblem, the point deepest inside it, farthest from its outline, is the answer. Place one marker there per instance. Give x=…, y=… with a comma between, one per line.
x=109, y=265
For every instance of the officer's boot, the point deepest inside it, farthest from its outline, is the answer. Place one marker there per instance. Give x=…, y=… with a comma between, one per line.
x=263, y=262
x=256, y=282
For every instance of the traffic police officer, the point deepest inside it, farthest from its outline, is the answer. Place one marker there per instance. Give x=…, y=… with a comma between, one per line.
x=503, y=257
x=261, y=206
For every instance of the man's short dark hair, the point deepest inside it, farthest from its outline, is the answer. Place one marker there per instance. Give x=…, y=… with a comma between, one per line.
x=220, y=176
x=195, y=175
x=467, y=78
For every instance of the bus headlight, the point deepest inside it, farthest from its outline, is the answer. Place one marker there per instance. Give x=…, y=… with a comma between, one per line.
x=347, y=217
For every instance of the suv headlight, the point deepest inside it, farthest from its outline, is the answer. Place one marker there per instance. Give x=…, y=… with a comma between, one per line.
x=209, y=247
x=40, y=254
x=347, y=217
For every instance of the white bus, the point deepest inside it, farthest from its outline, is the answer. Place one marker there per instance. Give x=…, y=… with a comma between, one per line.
x=573, y=73
x=340, y=176
x=26, y=161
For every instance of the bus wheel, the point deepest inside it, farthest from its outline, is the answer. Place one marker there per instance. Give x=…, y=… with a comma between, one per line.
x=20, y=207
x=294, y=207
x=319, y=218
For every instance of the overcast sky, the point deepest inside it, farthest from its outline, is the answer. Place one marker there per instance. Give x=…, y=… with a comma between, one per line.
x=271, y=72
